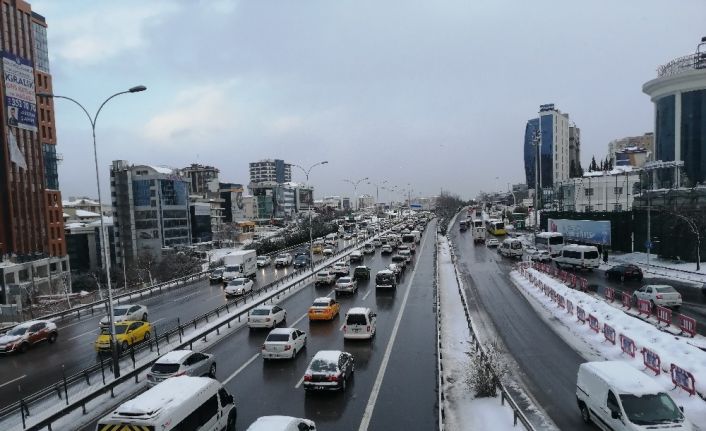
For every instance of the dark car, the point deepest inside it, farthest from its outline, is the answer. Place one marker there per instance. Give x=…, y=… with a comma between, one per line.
x=624, y=272
x=361, y=273
x=216, y=276
x=301, y=261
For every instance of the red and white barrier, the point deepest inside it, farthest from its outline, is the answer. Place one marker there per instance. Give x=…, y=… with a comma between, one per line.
x=569, y=306
x=687, y=325
x=609, y=333
x=664, y=315
x=651, y=360
x=609, y=294
x=627, y=345
x=627, y=300
x=683, y=379
x=581, y=314
x=644, y=307
x=593, y=323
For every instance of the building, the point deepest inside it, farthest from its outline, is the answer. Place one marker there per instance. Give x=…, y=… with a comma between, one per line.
x=200, y=219
x=598, y=191
x=679, y=95
x=366, y=201
x=644, y=142
x=203, y=180
x=150, y=207
x=31, y=214
x=269, y=170
x=85, y=204
x=552, y=127
x=305, y=197
x=575, y=169
x=83, y=245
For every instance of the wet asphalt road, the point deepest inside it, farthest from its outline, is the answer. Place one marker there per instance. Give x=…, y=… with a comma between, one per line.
x=547, y=365
x=41, y=366
x=405, y=389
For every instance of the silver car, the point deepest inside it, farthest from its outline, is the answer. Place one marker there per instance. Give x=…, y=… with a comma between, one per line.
x=182, y=363
x=346, y=285
x=122, y=313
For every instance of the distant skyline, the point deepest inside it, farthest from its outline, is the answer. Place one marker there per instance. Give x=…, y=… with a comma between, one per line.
x=436, y=94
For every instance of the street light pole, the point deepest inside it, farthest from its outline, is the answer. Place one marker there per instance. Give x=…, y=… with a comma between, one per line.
x=537, y=142
x=377, y=192
x=105, y=250
x=311, y=239
x=355, y=189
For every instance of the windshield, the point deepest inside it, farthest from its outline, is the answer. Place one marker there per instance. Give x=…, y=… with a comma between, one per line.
x=356, y=319
x=277, y=337
x=651, y=409
x=665, y=289
x=320, y=304
x=260, y=312
x=18, y=331
x=119, y=329
x=119, y=311
x=165, y=368
x=282, y=256
x=344, y=280
x=234, y=268
x=237, y=282
x=321, y=365
x=556, y=240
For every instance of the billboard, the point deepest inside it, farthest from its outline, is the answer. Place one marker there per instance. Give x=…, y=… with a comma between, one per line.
x=236, y=202
x=20, y=96
x=306, y=196
x=588, y=231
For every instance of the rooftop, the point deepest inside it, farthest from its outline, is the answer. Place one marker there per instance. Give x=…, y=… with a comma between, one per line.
x=624, y=378
x=171, y=392
x=174, y=357
x=683, y=64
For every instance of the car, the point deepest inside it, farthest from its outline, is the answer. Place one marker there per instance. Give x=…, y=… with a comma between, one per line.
x=662, y=295
x=302, y=261
x=386, y=249
x=239, y=286
x=324, y=308
x=360, y=323
x=122, y=313
x=356, y=256
x=331, y=242
x=216, y=276
x=624, y=272
x=266, y=316
x=361, y=273
x=127, y=333
x=329, y=370
x=27, y=334
x=263, y=261
x=283, y=343
x=283, y=260
x=328, y=251
x=396, y=270
x=341, y=269
x=317, y=248
x=347, y=237
x=324, y=278
x=376, y=242
x=492, y=242
x=181, y=363
x=407, y=254
x=538, y=255
x=369, y=248
x=282, y=423
x=346, y=285
x=400, y=260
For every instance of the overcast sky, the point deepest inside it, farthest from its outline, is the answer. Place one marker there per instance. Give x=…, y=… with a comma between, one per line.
x=432, y=93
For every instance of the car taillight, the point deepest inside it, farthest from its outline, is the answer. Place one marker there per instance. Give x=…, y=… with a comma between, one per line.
x=334, y=378
x=263, y=347
x=287, y=347
x=345, y=328
x=367, y=328
x=659, y=296
x=307, y=377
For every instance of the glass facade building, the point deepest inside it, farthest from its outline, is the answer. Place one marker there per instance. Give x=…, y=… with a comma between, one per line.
x=531, y=129
x=693, y=135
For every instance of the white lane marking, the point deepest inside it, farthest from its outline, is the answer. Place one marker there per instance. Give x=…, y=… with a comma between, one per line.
x=367, y=294
x=300, y=319
x=80, y=321
x=185, y=296
x=368, y=414
x=232, y=376
x=299, y=383
x=14, y=380
x=92, y=331
x=158, y=320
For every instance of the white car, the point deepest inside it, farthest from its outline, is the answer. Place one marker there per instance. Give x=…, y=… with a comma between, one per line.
x=346, y=285
x=282, y=423
x=662, y=295
x=181, y=363
x=356, y=256
x=328, y=251
x=386, y=249
x=283, y=259
x=538, y=255
x=407, y=254
x=263, y=261
x=492, y=242
x=377, y=243
x=266, y=316
x=341, y=269
x=239, y=286
x=369, y=249
x=122, y=313
x=283, y=343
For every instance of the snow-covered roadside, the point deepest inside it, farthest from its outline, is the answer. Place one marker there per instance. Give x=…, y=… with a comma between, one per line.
x=643, y=334
x=684, y=271
x=462, y=410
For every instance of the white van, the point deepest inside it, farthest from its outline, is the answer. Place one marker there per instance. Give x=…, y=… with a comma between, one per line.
x=615, y=396
x=511, y=247
x=360, y=323
x=579, y=256
x=179, y=403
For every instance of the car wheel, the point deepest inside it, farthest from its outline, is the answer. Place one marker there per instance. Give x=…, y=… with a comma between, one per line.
x=24, y=347
x=343, y=384
x=274, y=324
x=585, y=414
x=52, y=337
x=144, y=317
x=677, y=307
x=147, y=336
x=635, y=299
x=622, y=278
x=212, y=371
x=294, y=353
x=124, y=346
x=231, y=420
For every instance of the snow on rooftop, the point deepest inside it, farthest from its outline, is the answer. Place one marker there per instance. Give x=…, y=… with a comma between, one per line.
x=327, y=355
x=84, y=213
x=162, y=169
x=266, y=423
x=358, y=310
x=624, y=378
x=174, y=357
x=169, y=392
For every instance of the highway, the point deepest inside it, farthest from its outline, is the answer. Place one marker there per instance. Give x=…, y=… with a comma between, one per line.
x=41, y=366
x=395, y=375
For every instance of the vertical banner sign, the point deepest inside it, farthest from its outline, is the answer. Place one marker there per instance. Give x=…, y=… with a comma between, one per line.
x=20, y=99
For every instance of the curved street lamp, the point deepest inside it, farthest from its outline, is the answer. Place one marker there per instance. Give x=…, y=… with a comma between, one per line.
x=311, y=204
x=355, y=188
x=377, y=191
x=104, y=237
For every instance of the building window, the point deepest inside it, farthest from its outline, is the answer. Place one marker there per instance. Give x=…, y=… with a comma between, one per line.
x=618, y=190
x=664, y=133
x=41, y=48
x=589, y=208
x=693, y=135
x=617, y=207
x=588, y=192
x=51, y=172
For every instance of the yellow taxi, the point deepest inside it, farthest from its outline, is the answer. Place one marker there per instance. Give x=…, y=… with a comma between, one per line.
x=324, y=308
x=127, y=333
x=317, y=248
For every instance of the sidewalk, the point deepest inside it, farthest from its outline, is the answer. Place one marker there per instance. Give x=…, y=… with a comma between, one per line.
x=681, y=271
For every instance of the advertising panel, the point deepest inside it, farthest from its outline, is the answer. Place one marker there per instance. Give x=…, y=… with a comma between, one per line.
x=20, y=98
x=306, y=197
x=236, y=203
x=587, y=231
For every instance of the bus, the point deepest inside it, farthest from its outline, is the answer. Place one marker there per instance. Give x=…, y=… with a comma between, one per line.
x=478, y=231
x=553, y=242
x=495, y=227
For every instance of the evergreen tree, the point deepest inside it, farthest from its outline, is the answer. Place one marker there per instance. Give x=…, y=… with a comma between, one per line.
x=593, y=166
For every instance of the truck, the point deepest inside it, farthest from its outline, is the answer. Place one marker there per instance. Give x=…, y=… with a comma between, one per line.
x=239, y=263
x=478, y=231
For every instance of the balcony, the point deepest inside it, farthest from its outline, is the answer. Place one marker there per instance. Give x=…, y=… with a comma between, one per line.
x=683, y=64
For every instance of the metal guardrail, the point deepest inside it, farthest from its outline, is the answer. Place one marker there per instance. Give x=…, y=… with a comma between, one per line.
x=441, y=397
x=517, y=413
x=22, y=406
x=683, y=64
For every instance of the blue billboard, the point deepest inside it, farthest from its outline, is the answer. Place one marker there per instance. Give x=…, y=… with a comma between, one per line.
x=586, y=231
x=20, y=98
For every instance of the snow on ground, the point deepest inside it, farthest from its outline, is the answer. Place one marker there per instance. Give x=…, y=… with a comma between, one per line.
x=683, y=271
x=670, y=348
x=463, y=411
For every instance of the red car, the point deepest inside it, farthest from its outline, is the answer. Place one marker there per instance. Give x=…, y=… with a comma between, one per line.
x=26, y=334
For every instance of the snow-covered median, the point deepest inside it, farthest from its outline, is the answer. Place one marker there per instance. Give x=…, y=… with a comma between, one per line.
x=463, y=411
x=644, y=335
